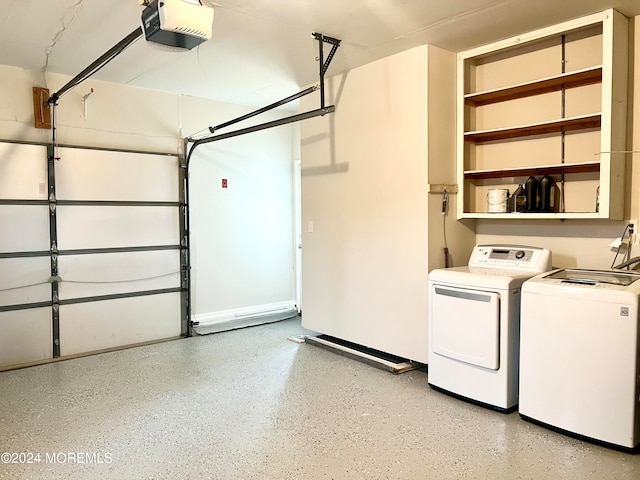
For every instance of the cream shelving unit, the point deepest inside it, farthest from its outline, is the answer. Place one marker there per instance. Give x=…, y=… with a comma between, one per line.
x=554, y=102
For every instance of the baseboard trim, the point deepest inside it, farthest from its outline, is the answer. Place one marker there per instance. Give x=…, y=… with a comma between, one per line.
x=214, y=322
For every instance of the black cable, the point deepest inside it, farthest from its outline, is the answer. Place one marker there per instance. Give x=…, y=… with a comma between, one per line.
x=445, y=206
x=628, y=263
x=629, y=225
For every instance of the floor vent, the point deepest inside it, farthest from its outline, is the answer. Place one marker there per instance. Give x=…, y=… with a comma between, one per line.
x=370, y=356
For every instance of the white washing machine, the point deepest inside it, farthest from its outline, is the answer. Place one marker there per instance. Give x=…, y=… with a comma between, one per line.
x=474, y=315
x=579, y=357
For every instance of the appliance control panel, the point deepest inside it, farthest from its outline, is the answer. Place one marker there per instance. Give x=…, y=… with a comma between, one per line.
x=512, y=257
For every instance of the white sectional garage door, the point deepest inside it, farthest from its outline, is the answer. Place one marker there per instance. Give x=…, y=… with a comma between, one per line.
x=93, y=250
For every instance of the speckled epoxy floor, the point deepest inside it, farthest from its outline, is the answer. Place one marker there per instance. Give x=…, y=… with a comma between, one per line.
x=249, y=404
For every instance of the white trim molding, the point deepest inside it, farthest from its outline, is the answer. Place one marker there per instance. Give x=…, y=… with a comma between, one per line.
x=213, y=322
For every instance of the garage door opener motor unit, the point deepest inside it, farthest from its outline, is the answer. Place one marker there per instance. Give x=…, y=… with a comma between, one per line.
x=177, y=24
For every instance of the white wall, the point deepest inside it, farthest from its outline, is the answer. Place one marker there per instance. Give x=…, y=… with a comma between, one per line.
x=367, y=220
x=242, y=237
x=441, y=121
x=249, y=223
x=118, y=116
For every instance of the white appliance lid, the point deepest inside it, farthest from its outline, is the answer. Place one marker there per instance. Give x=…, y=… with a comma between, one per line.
x=479, y=277
x=594, y=277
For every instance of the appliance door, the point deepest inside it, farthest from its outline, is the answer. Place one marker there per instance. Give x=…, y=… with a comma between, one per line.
x=466, y=325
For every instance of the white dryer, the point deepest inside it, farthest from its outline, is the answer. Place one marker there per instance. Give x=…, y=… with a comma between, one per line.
x=579, y=357
x=474, y=315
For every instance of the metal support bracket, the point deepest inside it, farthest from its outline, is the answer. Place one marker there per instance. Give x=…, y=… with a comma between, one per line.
x=53, y=241
x=185, y=255
x=324, y=64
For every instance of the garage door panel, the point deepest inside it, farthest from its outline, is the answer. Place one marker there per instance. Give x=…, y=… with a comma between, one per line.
x=86, y=327
x=25, y=336
x=84, y=227
x=23, y=171
x=124, y=205
x=119, y=176
x=24, y=280
x=106, y=274
x=24, y=228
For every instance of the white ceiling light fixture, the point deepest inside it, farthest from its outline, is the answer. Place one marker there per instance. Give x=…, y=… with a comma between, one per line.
x=177, y=25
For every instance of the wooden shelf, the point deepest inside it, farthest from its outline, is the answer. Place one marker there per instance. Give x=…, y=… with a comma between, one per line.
x=534, y=216
x=585, y=167
x=523, y=73
x=582, y=122
x=546, y=85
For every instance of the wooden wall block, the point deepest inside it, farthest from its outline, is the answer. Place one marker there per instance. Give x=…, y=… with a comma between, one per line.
x=41, y=111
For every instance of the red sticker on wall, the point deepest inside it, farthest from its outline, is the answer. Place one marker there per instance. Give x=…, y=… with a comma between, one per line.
x=224, y=183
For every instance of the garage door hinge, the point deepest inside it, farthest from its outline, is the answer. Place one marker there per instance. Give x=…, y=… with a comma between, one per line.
x=193, y=324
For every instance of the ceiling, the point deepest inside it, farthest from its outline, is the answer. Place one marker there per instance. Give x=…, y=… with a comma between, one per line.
x=263, y=50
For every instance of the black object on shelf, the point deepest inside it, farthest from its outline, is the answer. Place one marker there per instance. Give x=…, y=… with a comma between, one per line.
x=547, y=191
x=531, y=189
x=518, y=200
